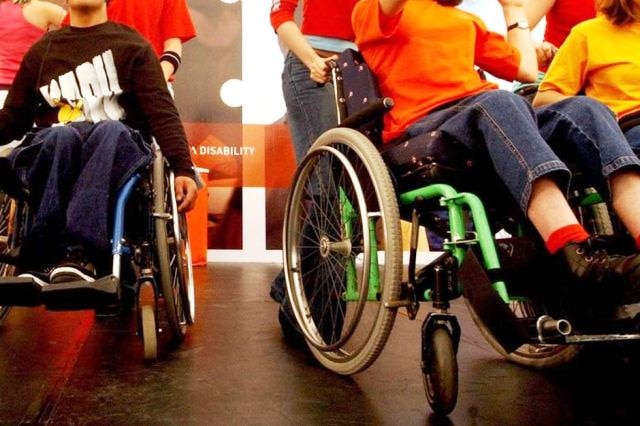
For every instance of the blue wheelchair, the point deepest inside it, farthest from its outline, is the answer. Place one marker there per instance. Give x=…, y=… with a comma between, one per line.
x=150, y=259
x=344, y=260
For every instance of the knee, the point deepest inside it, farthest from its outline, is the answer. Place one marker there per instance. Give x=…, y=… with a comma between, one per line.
x=582, y=108
x=110, y=127
x=505, y=101
x=59, y=137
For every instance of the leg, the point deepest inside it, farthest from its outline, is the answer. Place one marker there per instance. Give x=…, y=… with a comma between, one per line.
x=49, y=167
x=584, y=130
x=311, y=110
x=111, y=153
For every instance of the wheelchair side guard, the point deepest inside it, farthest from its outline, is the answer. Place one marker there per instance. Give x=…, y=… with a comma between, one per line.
x=489, y=306
x=76, y=295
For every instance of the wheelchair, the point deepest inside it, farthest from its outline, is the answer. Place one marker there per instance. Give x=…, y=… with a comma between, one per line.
x=150, y=259
x=345, y=267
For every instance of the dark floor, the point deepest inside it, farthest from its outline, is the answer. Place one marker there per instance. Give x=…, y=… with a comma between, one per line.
x=234, y=368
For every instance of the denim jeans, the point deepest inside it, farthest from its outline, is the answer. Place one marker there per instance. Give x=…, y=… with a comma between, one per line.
x=73, y=173
x=633, y=137
x=584, y=131
x=311, y=108
x=514, y=136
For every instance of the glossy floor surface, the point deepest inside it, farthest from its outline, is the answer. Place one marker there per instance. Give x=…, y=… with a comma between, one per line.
x=234, y=368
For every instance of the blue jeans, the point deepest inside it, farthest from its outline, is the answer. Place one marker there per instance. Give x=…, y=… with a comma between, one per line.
x=73, y=173
x=633, y=137
x=584, y=131
x=517, y=139
x=311, y=109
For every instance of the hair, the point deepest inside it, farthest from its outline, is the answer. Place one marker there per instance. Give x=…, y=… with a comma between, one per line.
x=619, y=12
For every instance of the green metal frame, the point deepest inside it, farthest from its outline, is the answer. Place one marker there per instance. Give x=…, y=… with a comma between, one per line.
x=455, y=202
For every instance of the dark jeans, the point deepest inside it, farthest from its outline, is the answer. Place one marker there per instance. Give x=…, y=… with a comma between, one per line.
x=73, y=173
x=520, y=142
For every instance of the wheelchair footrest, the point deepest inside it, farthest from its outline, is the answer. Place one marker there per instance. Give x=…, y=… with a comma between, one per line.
x=76, y=295
x=489, y=307
x=20, y=291
x=81, y=294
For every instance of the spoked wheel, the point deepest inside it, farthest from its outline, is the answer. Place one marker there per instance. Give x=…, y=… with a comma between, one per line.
x=10, y=234
x=343, y=251
x=173, y=251
x=539, y=355
x=440, y=375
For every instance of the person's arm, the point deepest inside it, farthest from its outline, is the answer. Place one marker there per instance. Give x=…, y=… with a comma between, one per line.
x=160, y=110
x=43, y=14
x=391, y=7
x=17, y=115
x=548, y=97
x=535, y=10
x=293, y=38
x=170, y=65
x=519, y=38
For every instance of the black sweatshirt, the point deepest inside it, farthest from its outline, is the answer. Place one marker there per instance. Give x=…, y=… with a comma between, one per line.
x=111, y=72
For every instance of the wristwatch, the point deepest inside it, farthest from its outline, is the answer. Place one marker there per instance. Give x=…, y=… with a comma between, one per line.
x=522, y=25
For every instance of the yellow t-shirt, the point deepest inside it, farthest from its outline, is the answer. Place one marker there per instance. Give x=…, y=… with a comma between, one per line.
x=601, y=59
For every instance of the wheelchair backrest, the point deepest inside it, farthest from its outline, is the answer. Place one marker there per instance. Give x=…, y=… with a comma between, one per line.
x=358, y=99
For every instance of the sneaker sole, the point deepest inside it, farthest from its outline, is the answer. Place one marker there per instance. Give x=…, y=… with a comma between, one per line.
x=36, y=279
x=67, y=271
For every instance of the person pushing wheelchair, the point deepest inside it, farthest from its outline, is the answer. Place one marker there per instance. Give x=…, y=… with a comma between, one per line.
x=96, y=92
x=424, y=53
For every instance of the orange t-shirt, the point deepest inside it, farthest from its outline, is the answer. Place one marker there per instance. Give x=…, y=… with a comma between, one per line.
x=425, y=57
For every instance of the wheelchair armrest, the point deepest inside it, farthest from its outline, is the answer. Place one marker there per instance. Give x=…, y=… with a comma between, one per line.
x=371, y=112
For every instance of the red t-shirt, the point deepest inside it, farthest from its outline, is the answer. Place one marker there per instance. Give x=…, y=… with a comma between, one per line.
x=424, y=57
x=564, y=15
x=326, y=18
x=16, y=35
x=157, y=21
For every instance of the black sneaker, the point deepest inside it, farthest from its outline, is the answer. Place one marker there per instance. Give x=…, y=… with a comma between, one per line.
x=591, y=264
x=71, y=271
x=290, y=330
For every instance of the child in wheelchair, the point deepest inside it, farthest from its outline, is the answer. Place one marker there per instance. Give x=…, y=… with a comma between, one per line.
x=96, y=92
x=423, y=55
x=574, y=70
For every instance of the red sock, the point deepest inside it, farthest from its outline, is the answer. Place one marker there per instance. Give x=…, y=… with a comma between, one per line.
x=638, y=242
x=567, y=234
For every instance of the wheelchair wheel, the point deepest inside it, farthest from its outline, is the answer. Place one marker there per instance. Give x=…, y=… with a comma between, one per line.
x=11, y=212
x=149, y=332
x=440, y=377
x=539, y=355
x=173, y=252
x=343, y=250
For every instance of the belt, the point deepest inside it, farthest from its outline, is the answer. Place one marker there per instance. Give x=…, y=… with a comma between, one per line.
x=325, y=53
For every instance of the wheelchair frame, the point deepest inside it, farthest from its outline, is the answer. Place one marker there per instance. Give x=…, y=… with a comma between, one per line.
x=355, y=283
x=159, y=257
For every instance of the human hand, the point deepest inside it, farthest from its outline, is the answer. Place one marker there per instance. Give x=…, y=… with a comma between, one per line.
x=186, y=193
x=319, y=69
x=511, y=3
x=545, y=52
